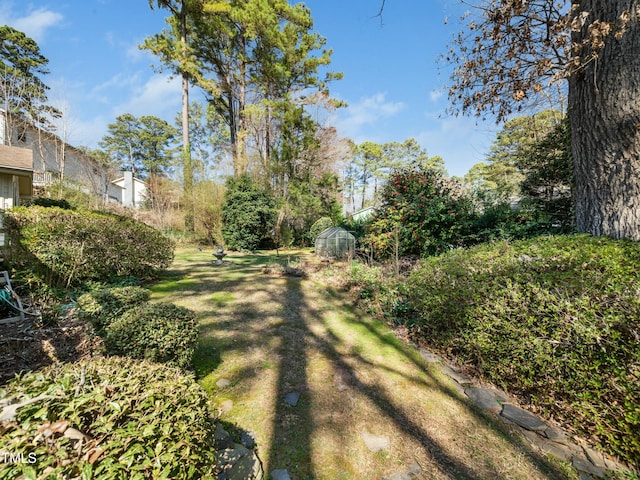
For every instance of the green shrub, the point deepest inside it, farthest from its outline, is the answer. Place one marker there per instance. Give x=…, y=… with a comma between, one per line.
x=422, y=212
x=380, y=293
x=555, y=320
x=68, y=246
x=47, y=202
x=141, y=420
x=248, y=214
x=103, y=306
x=356, y=227
x=161, y=332
x=502, y=222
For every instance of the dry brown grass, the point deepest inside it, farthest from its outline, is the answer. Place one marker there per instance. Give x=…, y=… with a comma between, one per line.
x=271, y=335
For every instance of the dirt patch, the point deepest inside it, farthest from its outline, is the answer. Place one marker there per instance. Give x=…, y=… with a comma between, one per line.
x=283, y=270
x=28, y=345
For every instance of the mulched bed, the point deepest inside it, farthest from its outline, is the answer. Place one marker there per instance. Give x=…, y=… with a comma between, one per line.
x=29, y=345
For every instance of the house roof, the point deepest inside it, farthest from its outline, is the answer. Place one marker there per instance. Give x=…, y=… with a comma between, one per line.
x=121, y=179
x=364, y=210
x=15, y=158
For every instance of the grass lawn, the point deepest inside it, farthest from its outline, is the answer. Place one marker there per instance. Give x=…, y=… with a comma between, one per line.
x=270, y=336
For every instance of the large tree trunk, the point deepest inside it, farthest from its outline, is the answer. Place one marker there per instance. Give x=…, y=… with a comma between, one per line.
x=187, y=165
x=604, y=110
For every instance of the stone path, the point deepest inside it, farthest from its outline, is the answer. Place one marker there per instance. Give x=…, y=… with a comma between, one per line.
x=238, y=461
x=548, y=439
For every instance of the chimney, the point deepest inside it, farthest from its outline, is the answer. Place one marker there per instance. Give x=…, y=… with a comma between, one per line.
x=128, y=195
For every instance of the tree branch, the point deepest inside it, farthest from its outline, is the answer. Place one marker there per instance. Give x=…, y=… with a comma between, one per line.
x=379, y=14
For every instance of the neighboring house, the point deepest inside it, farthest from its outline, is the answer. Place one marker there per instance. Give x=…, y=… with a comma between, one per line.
x=363, y=214
x=54, y=160
x=16, y=176
x=132, y=190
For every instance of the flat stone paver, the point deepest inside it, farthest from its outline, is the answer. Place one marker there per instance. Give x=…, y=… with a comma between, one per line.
x=563, y=452
x=484, y=398
x=248, y=439
x=292, y=398
x=557, y=435
x=222, y=439
x=280, y=475
x=226, y=406
x=413, y=471
x=231, y=455
x=429, y=356
x=247, y=467
x=584, y=465
x=522, y=417
x=459, y=376
x=374, y=443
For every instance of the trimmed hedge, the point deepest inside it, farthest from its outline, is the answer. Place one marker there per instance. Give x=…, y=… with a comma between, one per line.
x=47, y=202
x=555, y=320
x=103, y=306
x=140, y=420
x=68, y=246
x=160, y=332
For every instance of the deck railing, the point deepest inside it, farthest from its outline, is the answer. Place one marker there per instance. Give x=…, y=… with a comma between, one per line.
x=42, y=178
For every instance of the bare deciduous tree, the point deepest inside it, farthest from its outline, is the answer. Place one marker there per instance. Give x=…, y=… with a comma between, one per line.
x=514, y=51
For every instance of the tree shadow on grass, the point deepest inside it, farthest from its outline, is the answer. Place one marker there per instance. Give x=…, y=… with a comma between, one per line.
x=387, y=338
x=290, y=444
x=294, y=333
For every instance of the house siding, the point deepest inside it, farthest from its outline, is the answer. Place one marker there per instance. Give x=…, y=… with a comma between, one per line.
x=53, y=159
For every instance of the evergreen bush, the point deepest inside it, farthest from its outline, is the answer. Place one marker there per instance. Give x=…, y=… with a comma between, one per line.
x=248, y=214
x=104, y=305
x=160, y=332
x=555, y=320
x=422, y=212
x=67, y=247
x=108, y=418
x=47, y=202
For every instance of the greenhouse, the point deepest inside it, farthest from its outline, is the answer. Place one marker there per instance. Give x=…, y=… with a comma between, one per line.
x=335, y=242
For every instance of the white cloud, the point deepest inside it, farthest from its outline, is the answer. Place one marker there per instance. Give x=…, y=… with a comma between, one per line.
x=34, y=24
x=159, y=96
x=117, y=81
x=367, y=111
x=460, y=141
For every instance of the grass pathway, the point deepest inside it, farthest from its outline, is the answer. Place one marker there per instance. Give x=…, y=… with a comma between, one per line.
x=270, y=336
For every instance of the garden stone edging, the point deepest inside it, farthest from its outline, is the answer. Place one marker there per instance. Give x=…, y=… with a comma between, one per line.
x=236, y=461
x=548, y=439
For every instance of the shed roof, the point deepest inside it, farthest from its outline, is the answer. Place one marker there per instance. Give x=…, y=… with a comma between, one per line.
x=333, y=231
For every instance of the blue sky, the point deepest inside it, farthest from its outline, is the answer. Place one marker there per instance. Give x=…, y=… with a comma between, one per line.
x=392, y=83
